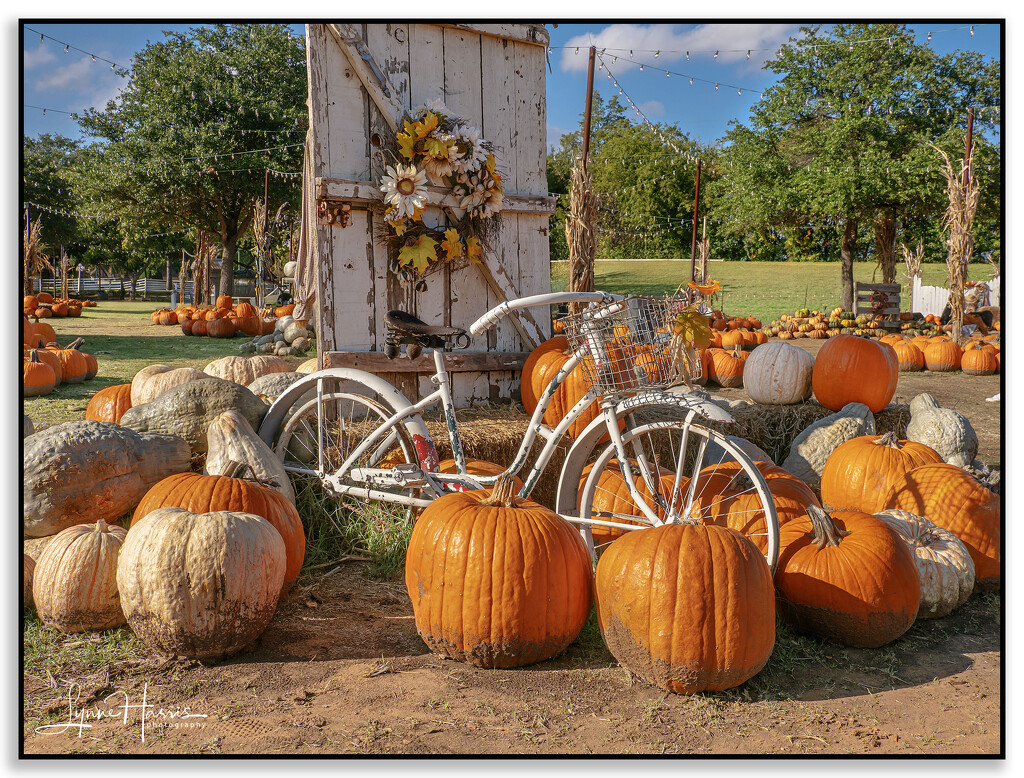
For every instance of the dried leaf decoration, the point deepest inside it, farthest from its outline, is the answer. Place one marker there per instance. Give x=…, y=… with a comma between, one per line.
x=709, y=288
x=437, y=148
x=419, y=254
x=692, y=327
x=451, y=244
x=473, y=249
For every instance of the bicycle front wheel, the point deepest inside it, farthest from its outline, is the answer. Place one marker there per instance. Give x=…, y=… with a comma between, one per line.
x=676, y=479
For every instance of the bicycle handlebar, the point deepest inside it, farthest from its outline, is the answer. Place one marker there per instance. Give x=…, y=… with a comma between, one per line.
x=498, y=312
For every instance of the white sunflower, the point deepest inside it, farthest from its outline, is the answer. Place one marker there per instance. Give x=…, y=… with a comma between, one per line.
x=434, y=106
x=493, y=198
x=405, y=188
x=471, y=152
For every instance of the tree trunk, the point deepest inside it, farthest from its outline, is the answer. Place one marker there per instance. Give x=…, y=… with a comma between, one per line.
x=846, y=253
x=227, y=267
x=133, y=279
x=885, y=247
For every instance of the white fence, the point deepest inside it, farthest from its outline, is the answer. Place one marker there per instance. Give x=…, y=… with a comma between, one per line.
x=243, y=287
x=932, y=299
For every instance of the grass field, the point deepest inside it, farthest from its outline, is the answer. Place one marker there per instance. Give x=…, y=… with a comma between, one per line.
x=762, y=289
x=124, y=340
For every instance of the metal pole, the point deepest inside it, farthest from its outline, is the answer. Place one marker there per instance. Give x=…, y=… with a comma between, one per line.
x=693, y=243
x=590, y=105
x=970, y=143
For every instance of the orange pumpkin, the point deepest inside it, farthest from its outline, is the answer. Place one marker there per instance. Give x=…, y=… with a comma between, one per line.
x=910, y=359
x=109, y=404
x=225, y=301
x=980, y=361
x=948, y=496
x=851, y=369
x=942, y=356
x=860, y=473
x=38, y=378
x=612, y=499
x=847, y=578
x=727, y=367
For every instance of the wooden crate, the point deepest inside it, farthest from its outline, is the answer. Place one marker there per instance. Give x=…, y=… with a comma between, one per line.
x=863, y=303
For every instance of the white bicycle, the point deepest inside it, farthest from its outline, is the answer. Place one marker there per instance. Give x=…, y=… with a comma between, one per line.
x=647, y=459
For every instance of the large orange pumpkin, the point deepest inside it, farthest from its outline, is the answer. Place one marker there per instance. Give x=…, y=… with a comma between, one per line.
x=225, y=301
x=726, y=368
x=850, y=369
x=543, y=365
x=496, y=581
x=73, y=364
x=612, y=499
x=948, y=496
x=200, y=493
x=38, y=378
x=847, y=578
x=860, y=473
x=724, y=497
x=109, y=404
x=688, y=607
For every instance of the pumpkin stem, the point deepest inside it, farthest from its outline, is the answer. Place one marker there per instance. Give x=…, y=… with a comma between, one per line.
x=101, y=525
x=34, y=356
x=503, y=494
x=826, y=532
x=236, y=469
x=76, y=344
x=890, y=439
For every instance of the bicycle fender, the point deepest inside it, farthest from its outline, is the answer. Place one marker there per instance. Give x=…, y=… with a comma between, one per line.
x=426, y=452
x=579, y=452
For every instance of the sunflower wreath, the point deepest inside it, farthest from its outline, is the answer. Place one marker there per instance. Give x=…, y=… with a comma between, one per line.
x=438, y=149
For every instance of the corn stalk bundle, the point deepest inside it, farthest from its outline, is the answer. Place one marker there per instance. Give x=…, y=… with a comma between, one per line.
x=260, y=233
x=704, y=252
x=913, y=261
x=65, y=267
x=580, y=232
x=885, y=247
x=35, y=260
x=963, y=192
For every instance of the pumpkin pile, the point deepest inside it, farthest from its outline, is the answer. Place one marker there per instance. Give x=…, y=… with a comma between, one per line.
x=45, y=366
x=223, y=320
x=728, y=332
x=285, y=338
x=44, y=305
x=807, y=323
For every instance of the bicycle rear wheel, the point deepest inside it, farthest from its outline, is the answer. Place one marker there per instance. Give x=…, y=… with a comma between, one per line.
x=676, y=481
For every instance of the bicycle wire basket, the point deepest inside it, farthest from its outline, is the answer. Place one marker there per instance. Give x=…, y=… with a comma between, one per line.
x=629, y=345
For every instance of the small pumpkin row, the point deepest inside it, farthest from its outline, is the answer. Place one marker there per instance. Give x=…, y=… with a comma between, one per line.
x=941, y=355
x=44, y=369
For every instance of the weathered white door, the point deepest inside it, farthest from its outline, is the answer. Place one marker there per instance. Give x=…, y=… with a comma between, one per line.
x=362, y=80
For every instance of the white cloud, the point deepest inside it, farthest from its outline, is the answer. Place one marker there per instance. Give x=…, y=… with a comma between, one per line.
x=554, y=135
x=652, y=108
x=732, y=41
x=81, y=83
x=38, y=57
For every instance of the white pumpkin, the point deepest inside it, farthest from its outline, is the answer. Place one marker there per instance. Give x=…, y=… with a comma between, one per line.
x=309, y=366
x=778, y=374
x=74, y=583
x=200, y=585
x=943, y=561
x=245, y=370
x=152, y=386
x=142, y=377
x=947, y=431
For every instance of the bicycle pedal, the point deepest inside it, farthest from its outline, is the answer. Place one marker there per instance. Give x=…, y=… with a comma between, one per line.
x=400, y=475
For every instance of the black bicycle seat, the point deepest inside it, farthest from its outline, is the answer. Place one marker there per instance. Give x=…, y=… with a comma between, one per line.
x=408, y=324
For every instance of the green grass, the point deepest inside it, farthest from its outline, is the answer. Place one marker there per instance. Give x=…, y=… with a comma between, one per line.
x=124, y=340
x=49, y=649
x=336, y=528
x=762, y=289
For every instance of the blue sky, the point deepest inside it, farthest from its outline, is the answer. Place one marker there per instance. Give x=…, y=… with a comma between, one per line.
x=61, y=76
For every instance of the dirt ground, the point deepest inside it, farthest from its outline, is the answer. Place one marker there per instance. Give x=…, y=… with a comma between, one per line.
x=341, y=670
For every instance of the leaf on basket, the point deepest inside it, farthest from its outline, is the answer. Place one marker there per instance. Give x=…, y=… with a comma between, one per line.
x=692, y=327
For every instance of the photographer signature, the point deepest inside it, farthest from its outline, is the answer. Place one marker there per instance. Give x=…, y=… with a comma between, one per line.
x=79, y=716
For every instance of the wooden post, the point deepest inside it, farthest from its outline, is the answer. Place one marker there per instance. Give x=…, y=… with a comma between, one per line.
x=589, y=109
x=693, y=243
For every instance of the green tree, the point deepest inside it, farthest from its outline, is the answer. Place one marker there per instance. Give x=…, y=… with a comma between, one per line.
x=204, y=114
x=841, y=141
x=49, y=189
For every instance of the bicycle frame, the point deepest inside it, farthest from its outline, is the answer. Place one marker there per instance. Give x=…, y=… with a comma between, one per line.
x=429, y=479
